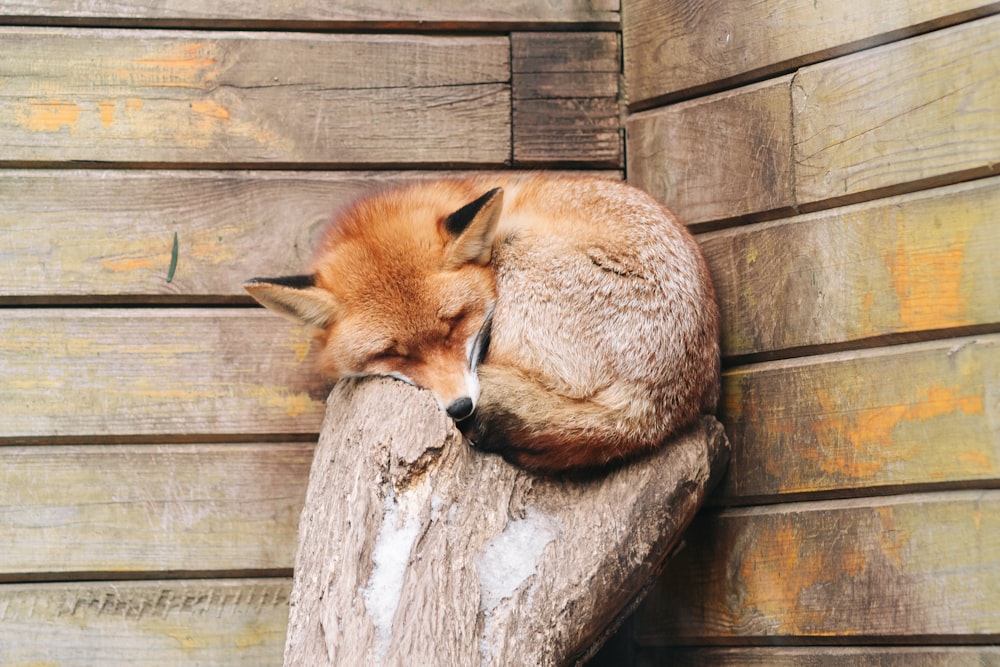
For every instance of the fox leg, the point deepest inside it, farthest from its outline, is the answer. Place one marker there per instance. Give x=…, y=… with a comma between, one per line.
x=538, y=429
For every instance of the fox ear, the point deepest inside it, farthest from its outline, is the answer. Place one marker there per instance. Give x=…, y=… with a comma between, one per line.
x=296, y=297
x=472, y=228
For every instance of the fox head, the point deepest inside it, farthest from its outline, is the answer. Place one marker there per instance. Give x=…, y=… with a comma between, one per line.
x=401, y=286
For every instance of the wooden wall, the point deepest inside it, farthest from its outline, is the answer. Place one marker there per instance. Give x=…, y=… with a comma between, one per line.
x=156, y=427
x=840, y=163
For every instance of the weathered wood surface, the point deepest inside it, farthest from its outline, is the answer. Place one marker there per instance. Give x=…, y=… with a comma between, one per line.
x=291, y=14
x=74, y=236
x=249, y=98
x=918, y=111
x=825, y=656
x=718, y=157
x=906, y=569
x=238, y=622
x=898, y=118
x=909, y=415
x=675, y=49
x=177, y=373
x=416, y=549
x=565, y=98
x=914, y=263
x=93, y=509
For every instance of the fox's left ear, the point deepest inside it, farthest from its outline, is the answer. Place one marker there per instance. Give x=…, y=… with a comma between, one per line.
x=472, y=228
x=296, y=297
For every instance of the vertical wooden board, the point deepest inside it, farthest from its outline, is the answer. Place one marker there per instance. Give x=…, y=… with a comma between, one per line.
x=924, y=110
x=238, y=622
x=191, y=373
x=81, y=510
x=822, y=656
x=719, y=157
x=919, y=414
x=920, y=262
x=907, y=569
x=247, y=98
x=411, y=14
x=681, y=48
x=565, y=98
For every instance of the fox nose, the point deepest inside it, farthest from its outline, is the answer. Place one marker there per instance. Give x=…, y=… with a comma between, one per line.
x=460, y=408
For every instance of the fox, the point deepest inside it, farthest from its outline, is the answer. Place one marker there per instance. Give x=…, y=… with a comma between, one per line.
x=564, y=322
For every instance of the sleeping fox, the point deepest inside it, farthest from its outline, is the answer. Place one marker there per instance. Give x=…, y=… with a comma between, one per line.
x=563, y=322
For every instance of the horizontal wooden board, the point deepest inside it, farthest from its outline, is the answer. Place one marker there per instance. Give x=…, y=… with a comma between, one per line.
x=251, y=98
x=824, y=656
x=565, y=98
x=906, y=569
x=405, y=14
x=683, y=48
x=919, y=113
x=238, y=622
x=915, y=111
x=191, y=373
x=908, y=415
x=93, y=235
x=76, y=511
x=920, y=262
x=719, y=157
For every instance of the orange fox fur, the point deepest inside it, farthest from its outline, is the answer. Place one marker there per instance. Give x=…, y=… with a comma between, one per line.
x=564, y=322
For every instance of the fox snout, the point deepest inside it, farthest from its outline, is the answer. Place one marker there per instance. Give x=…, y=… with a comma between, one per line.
x=460, y=408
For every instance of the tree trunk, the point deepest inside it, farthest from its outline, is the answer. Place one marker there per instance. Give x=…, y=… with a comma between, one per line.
x=416, y=549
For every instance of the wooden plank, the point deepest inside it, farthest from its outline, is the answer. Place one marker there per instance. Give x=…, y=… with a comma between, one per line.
x=904, y=416
x=906, y=569
x=925, y=110
x=97, y=509
x=303, y=14
x=72, y=236
x=188, y=373
x=238, y=622
x=920, y=262
x=824, y=656
x=155, y=97
x=677, y=49
x=565, y=98
x=719, y=157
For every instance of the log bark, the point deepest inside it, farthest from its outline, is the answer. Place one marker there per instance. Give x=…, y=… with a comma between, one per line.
x=416, y=549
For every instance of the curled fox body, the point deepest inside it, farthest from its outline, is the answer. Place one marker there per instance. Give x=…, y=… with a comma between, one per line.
x=564, y=322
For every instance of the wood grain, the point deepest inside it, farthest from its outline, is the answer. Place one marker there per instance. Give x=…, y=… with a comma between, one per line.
x=237, y=622
x=686, y=48
x=565, y=98
x=922, y=110
x=718, y=157
x=920, y=262
x=906, y=569
x=157, y=97
x=909, y=415
x=302, y=14
x=117, y=509
x=824, y=656
x=176, y=373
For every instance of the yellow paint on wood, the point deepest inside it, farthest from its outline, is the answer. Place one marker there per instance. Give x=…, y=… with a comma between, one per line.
x=51, y=116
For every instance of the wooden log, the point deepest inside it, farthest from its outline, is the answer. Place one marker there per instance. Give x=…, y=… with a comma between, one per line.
x=916, y=263
x=191, y=374
x=565, y=98
x=725, y=156
x=923, y=111
x=235, y=622
x=680, y=49
x=906, y=569
x=301, y=14
x=155, y=97
x=415, y=548
x=101, y=510
x=822, y=656
x=908, y=416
